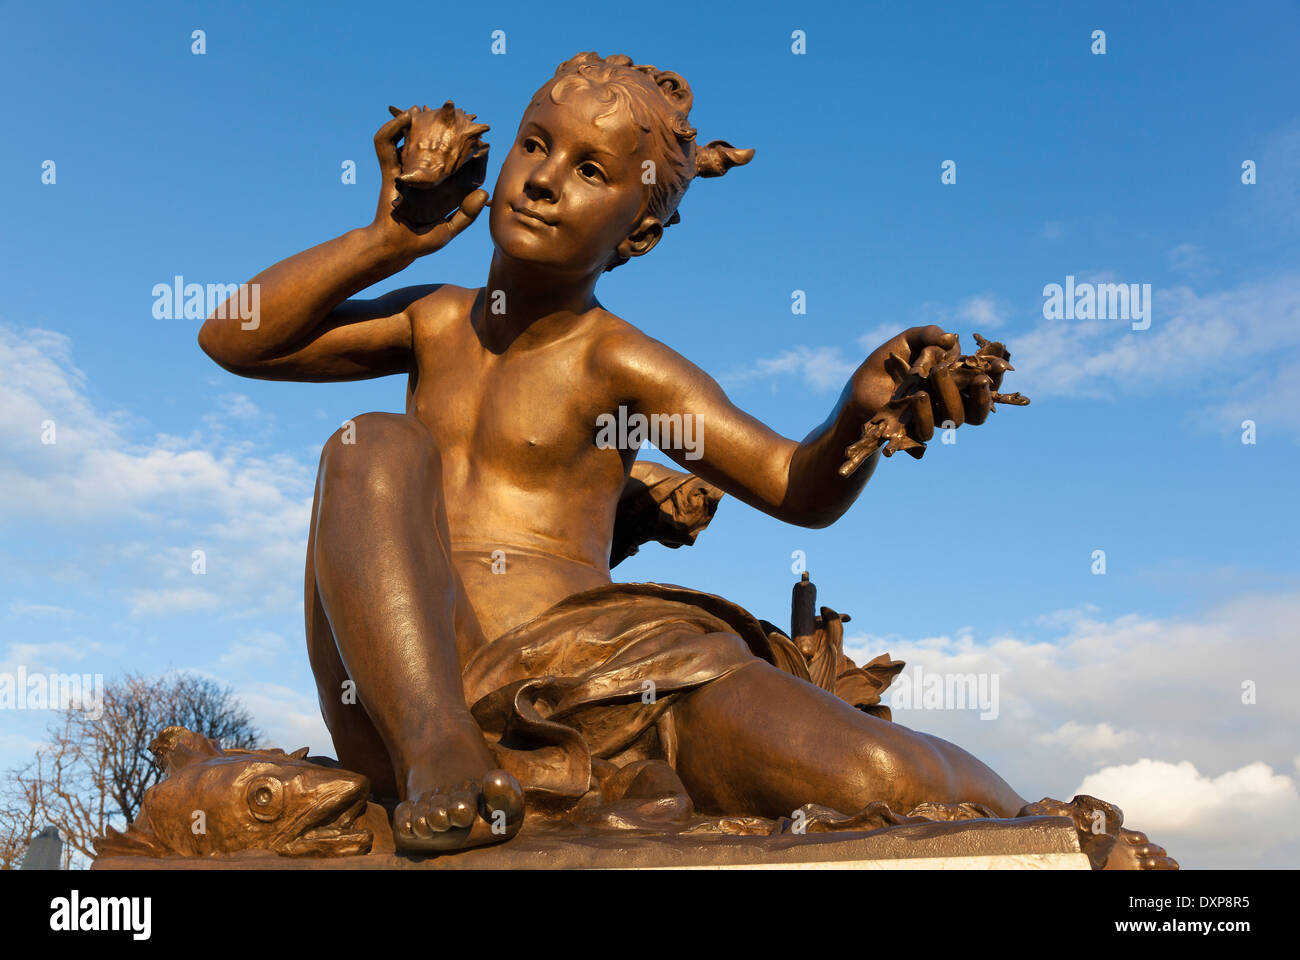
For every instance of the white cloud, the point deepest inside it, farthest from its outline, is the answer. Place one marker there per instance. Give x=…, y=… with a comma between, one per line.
x=1239, y=817
x=256, y=647
x=979, y=313
x=878, y=336
x=166, y=602
x=821, y=368
x=1268, y=399
x=19, y=608
x=50, y=656
x=1210, y=340
x=288, y=718
x=249, y=513
x=1190, y=259
x=1081, y=695
x=1087, y=739
x=238, y=405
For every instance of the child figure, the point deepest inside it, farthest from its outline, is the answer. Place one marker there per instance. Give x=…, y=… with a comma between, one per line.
x=460, y=612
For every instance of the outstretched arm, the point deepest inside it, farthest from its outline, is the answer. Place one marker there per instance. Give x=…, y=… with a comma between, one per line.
x=304, y=329
x=799, y=482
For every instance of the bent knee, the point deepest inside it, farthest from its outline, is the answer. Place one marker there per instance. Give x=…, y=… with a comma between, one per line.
x=376, y=446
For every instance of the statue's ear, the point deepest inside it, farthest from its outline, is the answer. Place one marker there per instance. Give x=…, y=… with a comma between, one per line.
x=642, y=239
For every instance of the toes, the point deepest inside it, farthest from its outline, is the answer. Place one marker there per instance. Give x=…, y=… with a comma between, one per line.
x=461, y=808
x=438, y=816
x=501, y=792
x=404, y=821
x=474, y=813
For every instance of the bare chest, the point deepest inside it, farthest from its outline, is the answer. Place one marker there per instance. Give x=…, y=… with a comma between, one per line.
x=530, y=412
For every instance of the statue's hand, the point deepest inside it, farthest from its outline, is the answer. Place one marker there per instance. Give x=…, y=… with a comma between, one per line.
x=919, y=380
x=872, y=385
x=458, y=200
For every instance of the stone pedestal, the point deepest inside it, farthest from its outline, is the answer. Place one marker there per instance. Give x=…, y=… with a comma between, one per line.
x=1041, y=843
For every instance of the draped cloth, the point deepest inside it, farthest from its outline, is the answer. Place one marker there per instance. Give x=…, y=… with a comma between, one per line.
x=575, y=702
x=592, y=677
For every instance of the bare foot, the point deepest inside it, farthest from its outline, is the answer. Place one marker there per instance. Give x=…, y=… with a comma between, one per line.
x=448, y=807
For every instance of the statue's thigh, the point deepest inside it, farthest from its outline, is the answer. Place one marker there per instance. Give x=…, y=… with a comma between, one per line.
x=759, y=739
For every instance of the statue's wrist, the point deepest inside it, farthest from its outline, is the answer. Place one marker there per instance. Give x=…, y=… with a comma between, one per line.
x=388, y=249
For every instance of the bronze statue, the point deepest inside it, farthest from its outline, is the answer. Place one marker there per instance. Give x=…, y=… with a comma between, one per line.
x=213, y=801
x=473, y=659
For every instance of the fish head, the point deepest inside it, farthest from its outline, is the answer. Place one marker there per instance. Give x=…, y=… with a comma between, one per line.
x=260, y=802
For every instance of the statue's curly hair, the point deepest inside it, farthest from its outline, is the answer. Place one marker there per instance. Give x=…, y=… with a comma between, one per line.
x=660, y=103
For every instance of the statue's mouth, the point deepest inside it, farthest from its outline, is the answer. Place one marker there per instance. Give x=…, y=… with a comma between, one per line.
x=330, y=827
x=530, y=215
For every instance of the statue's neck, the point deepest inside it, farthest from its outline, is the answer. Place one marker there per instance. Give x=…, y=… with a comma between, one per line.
x=520, y=297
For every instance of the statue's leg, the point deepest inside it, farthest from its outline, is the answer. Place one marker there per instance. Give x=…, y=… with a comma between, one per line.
x=761, y=741
x=383, y=594
x=356, y=741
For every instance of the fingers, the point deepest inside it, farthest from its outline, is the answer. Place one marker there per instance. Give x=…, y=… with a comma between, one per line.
x=948, y=397
x=920, y=424
x=978, y=399
x=449, y=229
x=386, y=138
x=918, y=338
x=924, y=361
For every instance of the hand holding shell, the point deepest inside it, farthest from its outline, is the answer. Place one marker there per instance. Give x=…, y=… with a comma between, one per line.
x=442, y=161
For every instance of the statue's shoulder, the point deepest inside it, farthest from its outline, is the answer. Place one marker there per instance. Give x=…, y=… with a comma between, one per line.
x=618, y=344
x=445, y=307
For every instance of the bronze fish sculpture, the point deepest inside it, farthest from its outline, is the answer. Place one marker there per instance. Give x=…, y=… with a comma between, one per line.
x=214, y=801
x=438, y=144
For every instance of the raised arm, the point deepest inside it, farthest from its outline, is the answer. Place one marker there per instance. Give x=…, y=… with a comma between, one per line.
x=799, y=482
x=305, y=327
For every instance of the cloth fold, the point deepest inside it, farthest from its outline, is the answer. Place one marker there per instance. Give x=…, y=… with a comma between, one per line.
x=593, y=676
x=583, y=690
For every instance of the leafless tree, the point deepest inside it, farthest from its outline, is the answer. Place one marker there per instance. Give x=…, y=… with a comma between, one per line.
x=95, y=766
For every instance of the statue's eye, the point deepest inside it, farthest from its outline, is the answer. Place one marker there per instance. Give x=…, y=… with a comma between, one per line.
x=591, y=171
x=265, y=797
x=532, y=145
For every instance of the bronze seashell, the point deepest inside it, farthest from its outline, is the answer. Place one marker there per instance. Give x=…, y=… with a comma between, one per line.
x=437, y=145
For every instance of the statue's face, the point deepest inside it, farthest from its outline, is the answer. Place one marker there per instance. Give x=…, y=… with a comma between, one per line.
x=569, y=191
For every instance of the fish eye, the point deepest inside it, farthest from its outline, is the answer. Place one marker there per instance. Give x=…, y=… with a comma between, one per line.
x=265, y=796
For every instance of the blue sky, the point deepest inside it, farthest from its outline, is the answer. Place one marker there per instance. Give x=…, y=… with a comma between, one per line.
x=1124, y=167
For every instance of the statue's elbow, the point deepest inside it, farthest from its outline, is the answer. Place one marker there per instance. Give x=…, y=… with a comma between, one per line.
x=212, y=343
x=813, y=517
